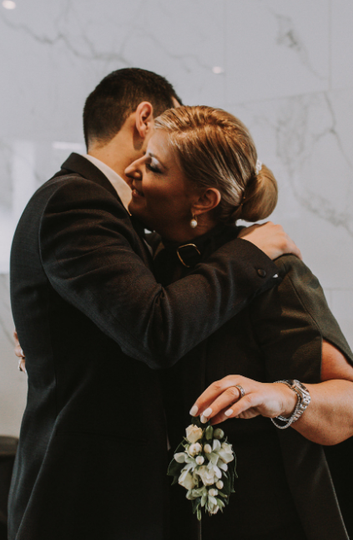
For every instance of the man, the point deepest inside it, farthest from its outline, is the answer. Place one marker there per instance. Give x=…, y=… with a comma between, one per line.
x=93, y=321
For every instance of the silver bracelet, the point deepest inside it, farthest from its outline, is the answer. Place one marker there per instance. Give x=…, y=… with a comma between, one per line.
x=303, y=400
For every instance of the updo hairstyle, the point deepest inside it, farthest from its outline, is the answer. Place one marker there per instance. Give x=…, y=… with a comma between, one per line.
x=216, y=150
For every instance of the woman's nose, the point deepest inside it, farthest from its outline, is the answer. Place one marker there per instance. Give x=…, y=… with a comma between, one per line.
x=133, y=171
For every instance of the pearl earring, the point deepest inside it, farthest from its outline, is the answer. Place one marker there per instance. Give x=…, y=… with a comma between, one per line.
x=193, y=222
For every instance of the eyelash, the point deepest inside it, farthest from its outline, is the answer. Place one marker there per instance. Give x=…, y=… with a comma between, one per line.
x=149, y=167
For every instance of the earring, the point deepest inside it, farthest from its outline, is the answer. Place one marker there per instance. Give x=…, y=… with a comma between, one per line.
x=193, y=222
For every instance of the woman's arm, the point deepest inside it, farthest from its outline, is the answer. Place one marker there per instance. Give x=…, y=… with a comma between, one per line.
x=328, y=419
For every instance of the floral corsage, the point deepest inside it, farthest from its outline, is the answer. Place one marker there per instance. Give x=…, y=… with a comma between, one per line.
x=200, y=465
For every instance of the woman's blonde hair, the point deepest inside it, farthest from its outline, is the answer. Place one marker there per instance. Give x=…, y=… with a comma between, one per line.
x=216, y=150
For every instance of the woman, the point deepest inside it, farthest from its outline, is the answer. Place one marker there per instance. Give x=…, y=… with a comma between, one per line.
x=199, y=175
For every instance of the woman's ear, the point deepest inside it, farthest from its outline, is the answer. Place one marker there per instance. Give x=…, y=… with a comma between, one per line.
x=207, y=201
x=144, y=120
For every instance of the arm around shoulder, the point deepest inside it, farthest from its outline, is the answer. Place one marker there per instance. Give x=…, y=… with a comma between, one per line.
x=91, y=257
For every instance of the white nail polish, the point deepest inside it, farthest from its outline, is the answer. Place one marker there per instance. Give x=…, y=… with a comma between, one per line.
x=203, y=419
x=194, y=410
x=229, y=412
x=207, y=412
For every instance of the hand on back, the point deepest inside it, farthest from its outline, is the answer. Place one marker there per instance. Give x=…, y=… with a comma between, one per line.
x=271, y=239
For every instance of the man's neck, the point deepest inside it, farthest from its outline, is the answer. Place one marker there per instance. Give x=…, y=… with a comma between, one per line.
x=118, y=153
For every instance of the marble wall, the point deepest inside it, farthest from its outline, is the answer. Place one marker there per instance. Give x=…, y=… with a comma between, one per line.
x=283, y=66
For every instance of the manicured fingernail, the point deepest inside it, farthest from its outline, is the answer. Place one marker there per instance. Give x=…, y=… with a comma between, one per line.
x=229, y=412
x=203, y=419
x=207, y=412
x=194, y=410
x=22, y=353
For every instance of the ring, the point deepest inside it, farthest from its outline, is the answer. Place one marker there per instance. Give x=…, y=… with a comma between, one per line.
x=241, y=390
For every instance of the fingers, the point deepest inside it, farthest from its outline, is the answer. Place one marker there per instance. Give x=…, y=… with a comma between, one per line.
x=243, y=410
x=20, y=354
x=218, y=396
x=22, y=365
x=247, y=230
x=236, y=396
x=18, y=350
x=222, y=403
x=292, y=248
x=271, y=239
x=287, y=246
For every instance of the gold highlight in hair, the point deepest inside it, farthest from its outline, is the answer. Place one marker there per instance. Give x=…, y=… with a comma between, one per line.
x=215, y=149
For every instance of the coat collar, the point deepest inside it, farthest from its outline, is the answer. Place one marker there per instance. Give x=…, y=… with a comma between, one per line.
x=78, y=164
x=82, y=166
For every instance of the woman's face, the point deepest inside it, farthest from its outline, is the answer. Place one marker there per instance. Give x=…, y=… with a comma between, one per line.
x=161, y=195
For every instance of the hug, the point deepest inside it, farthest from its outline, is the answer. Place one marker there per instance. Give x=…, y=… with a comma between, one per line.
x=124, y=331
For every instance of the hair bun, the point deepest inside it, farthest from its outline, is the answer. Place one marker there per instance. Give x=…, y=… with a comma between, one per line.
x=261, y=196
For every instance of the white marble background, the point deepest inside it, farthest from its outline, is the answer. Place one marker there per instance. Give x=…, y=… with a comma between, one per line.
x=283, y=66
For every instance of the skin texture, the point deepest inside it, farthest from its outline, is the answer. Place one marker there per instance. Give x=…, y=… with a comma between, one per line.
x=328, y=420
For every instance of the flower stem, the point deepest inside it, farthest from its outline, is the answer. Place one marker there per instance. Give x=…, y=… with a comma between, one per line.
x=199, y=530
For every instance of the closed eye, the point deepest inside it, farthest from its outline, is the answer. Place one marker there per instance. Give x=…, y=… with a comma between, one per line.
x=152, y=168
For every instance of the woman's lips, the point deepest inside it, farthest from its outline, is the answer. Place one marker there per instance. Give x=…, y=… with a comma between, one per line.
x=136, y=192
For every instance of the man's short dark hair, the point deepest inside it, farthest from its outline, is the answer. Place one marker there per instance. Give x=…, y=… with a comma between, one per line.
x=117, y=96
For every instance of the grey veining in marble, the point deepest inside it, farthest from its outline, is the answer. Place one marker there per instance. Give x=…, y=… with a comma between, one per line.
x=284, y=68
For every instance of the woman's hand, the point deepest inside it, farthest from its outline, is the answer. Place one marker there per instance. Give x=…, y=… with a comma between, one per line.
x=328, y=419
x=271, y=239
x=20, y=354
x=223, y=399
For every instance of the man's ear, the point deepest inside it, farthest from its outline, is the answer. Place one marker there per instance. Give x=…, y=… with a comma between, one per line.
x=144, y=120
x=207, y=201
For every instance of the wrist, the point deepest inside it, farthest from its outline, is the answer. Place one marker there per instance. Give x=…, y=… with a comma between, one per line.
x=303, y=401
x=289, y=401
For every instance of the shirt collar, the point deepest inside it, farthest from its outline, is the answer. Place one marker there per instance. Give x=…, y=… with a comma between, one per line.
x=117, y=182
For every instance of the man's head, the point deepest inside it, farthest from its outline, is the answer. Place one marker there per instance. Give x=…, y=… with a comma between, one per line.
x=117, y=96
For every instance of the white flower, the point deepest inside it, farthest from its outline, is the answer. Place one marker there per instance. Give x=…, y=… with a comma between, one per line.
x=207, y=475
x=218, y=433
x=216, y=445
x=219, y=484
x=200, y=460
x=226, y=452
x=197, y=492
x=213, y=492
x=180, y=457
x=227, y=446
x=193, y=433
x=213, y=467
x=186, y=480
x=194, y=449
x=207, y=448
x=212, y=505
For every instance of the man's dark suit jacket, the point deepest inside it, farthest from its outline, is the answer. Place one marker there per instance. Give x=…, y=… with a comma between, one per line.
x=93, y=322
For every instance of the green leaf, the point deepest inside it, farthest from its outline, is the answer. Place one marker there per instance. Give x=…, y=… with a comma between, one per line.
x=174, y=468
x=220, y=503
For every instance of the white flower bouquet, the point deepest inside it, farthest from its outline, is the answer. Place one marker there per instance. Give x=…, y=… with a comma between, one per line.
x=200, y=465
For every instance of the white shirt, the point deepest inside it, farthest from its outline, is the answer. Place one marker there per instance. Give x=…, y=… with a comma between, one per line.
x=116, y=181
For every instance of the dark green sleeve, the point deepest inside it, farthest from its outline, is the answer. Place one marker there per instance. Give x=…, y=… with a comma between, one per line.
x=291, y=321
